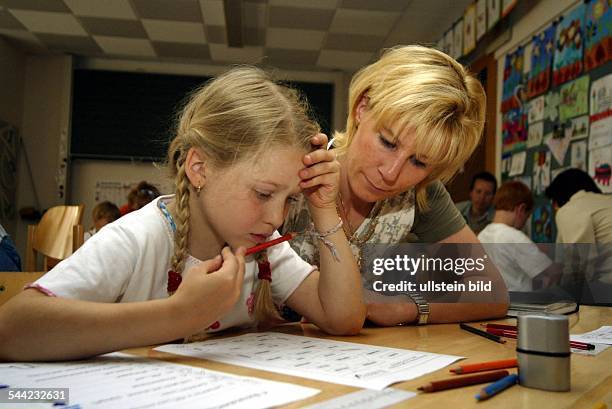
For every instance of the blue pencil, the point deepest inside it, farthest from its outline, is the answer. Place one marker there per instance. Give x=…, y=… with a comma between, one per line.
x=497, y=387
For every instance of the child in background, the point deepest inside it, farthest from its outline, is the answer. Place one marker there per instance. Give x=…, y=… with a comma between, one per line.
x=518, y=259
x=104, y=213
x=139, y=196
x=242, y=153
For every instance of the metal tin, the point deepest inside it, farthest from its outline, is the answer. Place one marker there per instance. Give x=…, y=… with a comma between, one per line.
x=543, y=351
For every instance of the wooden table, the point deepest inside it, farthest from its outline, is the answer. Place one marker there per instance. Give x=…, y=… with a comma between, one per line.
x=591, y=375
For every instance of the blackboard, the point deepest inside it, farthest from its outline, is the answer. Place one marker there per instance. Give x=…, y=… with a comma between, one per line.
x=131, y=116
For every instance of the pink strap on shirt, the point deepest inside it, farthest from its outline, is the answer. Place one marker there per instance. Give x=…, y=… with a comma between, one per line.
x=40, y=288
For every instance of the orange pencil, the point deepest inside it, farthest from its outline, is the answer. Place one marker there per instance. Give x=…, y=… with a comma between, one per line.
x=459, y=381
x=486, y=366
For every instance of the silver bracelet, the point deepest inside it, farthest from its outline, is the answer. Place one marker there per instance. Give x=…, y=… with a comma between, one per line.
x=323, y=237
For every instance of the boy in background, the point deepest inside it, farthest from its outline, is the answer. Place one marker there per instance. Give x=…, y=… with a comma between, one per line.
x=104, y=213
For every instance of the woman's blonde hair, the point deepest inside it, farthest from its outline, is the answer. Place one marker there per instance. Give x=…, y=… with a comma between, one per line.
x=427, y=91
x=233, y=118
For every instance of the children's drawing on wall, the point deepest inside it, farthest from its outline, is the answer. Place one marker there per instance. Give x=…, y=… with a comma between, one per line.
x=469, y=31
x=541, y=62
x=448, y=43
x=574, y=98
x=601, y=113
x=493, y=11
x=578, y=128
x=569, y=43
x=541, y=172
x=518, y=163
x=458, y=39
x=506, y=164
x=597, y=34
x=578, y=155
x=600, y=165
x=481, y=18
x=535, y=134
x=514, y=131
x=513, y=94
x=559, y=144
x=551, y=106
x=536, y=110
x=541, y=229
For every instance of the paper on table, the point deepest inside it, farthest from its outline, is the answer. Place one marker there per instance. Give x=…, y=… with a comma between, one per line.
x=365, y=399
x=602, y=335
x=123, y=381
x=347, y=363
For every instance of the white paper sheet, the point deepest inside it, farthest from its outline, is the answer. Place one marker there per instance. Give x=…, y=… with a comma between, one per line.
x=123, y=381
x=602, y=335
x=347, y=363
x=365, y=399
x=518, y=163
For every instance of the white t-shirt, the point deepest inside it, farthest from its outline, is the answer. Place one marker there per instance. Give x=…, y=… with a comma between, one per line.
x=517, y=257
x=129, y=259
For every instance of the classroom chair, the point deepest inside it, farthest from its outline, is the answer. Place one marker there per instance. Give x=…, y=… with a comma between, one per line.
x=12, y=283
x=58, y=234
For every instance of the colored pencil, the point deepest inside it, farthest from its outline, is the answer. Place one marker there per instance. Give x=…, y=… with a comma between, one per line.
x=476, y=331
x=500, y=326
x=513, y=334
x=263, y=246
x=459, y=381
x=497, y=386
x=486, y=366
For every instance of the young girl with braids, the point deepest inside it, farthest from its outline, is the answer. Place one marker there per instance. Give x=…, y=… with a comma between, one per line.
x=244, y=149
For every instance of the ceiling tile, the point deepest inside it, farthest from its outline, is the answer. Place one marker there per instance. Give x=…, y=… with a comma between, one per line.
x=213, y=12
x=315, y=4
x=49, y=22
x=300, y=18
x=125, y=46
x=346, y=60
x=175, y=31
x=181, y=10
x=381, y=5
x=254, y=36
x=120, y=9
x=7, y=20
x=363, y=22
x=23, y=38
x=254, y=15
x=112, y=27
x=39, y=5
x=353, y=42
x=181, y=50
x=293, y=57
x=71, y=44
x=244, y=55
x=216, y=34
x=294, y=39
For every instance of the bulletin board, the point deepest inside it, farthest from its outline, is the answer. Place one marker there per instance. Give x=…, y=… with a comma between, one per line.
x=557, y=107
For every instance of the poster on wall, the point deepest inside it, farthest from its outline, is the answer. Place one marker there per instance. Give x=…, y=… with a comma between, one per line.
x=569, y=43
x=507, y=6
x=493, y=11
x=551, y=106
x=469, y=29
x=600, y=165
x=534, y=134
x=536, y=110
x=578, y=158
x=597, y=34
x=578, y=128
x=512, y=97
x=559, y=144
x=541, y=228
x=518, y=164
x=481, y=18
x=458, y=39
x=514, y=131
x=541, y=62
x=574, y=98
x=541, y=172
x=601, y=113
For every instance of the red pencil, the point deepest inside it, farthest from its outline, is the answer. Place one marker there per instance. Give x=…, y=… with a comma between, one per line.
x=500, y=326
x=263, y=246
x=513, y=334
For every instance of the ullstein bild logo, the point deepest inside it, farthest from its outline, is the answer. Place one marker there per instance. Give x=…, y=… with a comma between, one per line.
x=413, y=265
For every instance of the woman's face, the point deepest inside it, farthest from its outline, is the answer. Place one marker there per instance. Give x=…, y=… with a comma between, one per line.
x=381, y=163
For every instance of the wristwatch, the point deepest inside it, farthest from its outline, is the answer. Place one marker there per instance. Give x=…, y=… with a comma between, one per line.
x=422, y=308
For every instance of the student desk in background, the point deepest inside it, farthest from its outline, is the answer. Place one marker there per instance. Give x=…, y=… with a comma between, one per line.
x=591, y=375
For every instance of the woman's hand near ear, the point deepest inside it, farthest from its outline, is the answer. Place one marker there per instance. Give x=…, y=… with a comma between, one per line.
x=321, y=177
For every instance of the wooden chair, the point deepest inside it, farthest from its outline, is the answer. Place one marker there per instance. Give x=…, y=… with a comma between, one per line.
x=11, y=283
x=58, y=234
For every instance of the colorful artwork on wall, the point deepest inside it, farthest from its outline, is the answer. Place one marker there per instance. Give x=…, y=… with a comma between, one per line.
x=541, y=61
x=514, y=130
x=541, y=172
x=574, y=98
x=541, y=229
x=597, y=34
x=569, y=41
x=512, y=94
